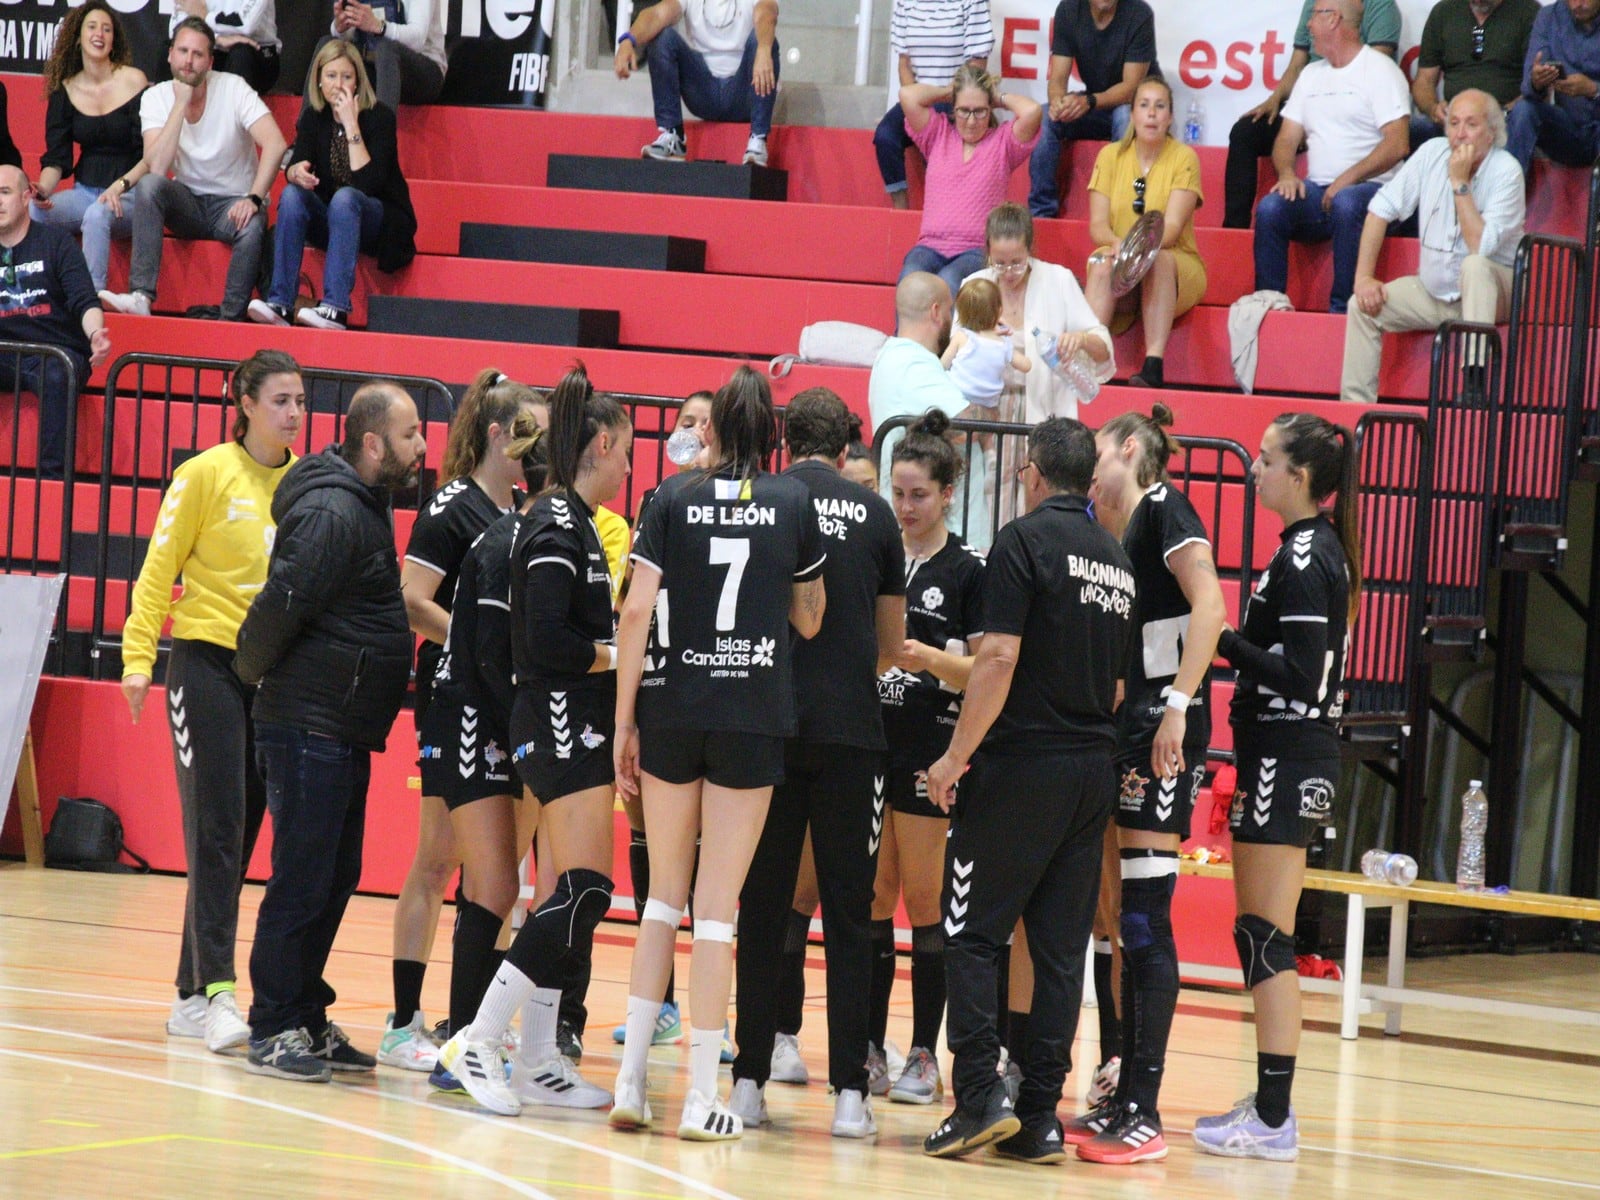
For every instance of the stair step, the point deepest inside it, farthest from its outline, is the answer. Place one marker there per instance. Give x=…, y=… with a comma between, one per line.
x=537, y=324
x=582, y=247
x=729, y=181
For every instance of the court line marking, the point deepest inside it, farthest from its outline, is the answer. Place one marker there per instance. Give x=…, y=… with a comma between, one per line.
x=520, y=1127
x=465, y=1164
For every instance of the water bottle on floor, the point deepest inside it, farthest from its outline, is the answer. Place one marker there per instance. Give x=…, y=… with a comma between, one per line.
x=1474, y=824
x=1383, y=867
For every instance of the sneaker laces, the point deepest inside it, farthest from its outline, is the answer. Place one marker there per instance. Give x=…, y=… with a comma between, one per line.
x=297, y=1039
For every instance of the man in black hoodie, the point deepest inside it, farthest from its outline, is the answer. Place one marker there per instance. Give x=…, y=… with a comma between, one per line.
x=328, y=641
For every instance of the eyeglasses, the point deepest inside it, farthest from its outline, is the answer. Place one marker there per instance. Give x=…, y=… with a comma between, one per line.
x=972, y=114
x=10, y=267
x=1477, y=43
x=1138, y=196
x=1011, y=268
x=1025, y=466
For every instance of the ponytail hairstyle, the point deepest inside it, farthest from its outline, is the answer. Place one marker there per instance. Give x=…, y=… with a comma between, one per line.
x=927, y=443
x=1156, y=444
x=493, y=399
x=745, y=425
x=1327, y=453
x=577, y=415
x=528, y=444
x=248, y=379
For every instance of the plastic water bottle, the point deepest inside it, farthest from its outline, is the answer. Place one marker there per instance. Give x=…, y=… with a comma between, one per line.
x=1474, y=824
x=1078, y=370
x=1194, y=124
x=684, y=446
x=1398, y=869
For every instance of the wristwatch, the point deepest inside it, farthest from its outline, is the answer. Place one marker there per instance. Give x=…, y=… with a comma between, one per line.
x=1461, y=189
x=1092, y=99
x=259, y=201
x=628, y=37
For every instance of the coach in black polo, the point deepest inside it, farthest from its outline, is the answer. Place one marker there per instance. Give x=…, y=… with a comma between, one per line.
x=1026, y=836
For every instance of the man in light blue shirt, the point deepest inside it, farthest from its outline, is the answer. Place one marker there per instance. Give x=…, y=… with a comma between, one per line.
x=908, y=379
x=1560, y=109
x=1467, y=193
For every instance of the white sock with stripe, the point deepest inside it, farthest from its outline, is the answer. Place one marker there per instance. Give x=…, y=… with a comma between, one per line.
x=509, y=988
x=641, y=1029
x=705, y=1053
x=539, y=1026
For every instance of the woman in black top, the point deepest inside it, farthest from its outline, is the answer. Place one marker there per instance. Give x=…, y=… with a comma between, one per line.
x=345, y=193
x=92, y=96
x=1290, y=657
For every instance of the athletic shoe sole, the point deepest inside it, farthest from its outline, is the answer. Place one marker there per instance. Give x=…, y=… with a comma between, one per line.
x=1016, y=1154
x=1121, y=1154
x=1254, y=1151
x=1004, y=1127
x=325, y=1076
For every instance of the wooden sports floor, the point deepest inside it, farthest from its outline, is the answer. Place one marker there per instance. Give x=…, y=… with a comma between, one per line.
x=96, y=1101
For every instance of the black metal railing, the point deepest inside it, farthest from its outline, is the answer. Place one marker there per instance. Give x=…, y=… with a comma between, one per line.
x=1588, y=351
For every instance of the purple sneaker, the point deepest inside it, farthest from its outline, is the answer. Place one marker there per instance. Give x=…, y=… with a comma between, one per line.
x=1241, y=1133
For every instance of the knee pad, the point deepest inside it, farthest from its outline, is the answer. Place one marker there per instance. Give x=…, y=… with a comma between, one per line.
x=713, y=931
x=580, y=902
x=660, y=910
x=1264, y=949
x=1149, y=878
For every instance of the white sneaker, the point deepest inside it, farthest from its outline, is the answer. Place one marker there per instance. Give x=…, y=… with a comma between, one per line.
x=556, y=1083
x=629, y=1108
x=409, y=1048
x=707, y=1119
x=749, y=1103
x=919, y=1082
x=787, y=1065
x=668, y=147
x=480, y=1067
x=188, y=1017
x=1104, y=1084
x=755, y=151
x=263, y=313
x=878, y=1081
x=225, y=1028
x=852, y=1116
x=134, y=304
x=323, y=316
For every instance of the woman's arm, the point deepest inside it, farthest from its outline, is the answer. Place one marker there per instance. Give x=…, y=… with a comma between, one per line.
x=918, y=100
x=1100, y=231
x=1196, y=573
x=425, y=615
x=1180, y=211
x=953, y=669
x=633, y=628
x=1028, y=113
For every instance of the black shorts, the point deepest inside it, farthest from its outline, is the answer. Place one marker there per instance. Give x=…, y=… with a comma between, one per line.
x=563, y=740
x=1282, y=801
x=463, y=756
x=908, y=792
x=731, y=760
x=1158, y=805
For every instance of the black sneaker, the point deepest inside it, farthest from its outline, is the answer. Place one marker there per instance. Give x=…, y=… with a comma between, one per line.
x=1037, y=1143
x=288, y=1055
x=1081, y=1129
x=334, y=1048
x=569, y=1041
x=966, y=1129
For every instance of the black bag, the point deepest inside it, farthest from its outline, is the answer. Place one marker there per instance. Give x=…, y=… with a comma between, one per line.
x=86, y=835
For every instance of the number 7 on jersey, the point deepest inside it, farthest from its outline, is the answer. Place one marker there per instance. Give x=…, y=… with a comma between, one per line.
x=732, y=553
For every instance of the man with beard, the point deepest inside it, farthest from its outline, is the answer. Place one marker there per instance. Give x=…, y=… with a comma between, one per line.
x=328, y=641
x=205, y=128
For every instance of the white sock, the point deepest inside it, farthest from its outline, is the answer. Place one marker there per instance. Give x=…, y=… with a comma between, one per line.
x=506, y=993
x=705, y=1052
x=641, y=1028
x=539, y=1025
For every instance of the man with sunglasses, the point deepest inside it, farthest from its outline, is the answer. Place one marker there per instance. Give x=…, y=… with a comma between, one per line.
x=1469, y=44
x=1561, y=82
x=46, y=297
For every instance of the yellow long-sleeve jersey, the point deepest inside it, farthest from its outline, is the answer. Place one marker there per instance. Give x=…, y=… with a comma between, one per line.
x=615, y=537
x=215, y=529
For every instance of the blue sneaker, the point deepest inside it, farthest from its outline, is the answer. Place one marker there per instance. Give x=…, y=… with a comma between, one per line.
x=669, y=1029
x=1241, y=1133
x=727, y=1055
x=442, y=1081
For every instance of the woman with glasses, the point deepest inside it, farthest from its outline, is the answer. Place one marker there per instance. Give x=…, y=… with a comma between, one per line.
x=970, y=158
x=1149, y=170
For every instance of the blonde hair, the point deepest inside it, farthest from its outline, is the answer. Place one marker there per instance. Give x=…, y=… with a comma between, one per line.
x=971, y=75
x=1128, y=134
x=978, y=305
x=365, y=96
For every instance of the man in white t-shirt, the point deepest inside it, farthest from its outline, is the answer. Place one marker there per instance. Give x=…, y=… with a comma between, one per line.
x=1353, y=112
x=720, y=57
x=211, y=131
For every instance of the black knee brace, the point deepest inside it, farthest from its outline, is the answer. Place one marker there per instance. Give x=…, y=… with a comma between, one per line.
x=1264, y=949
x=561, y=927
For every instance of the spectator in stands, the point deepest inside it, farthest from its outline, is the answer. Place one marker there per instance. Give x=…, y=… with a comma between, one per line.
x=1113, y=44
x=970, y=157
x=327, y=640
x=1468, y=194
x=1353, y=111
x=247, y=36
x=10, y=156
x=206, y=128
x=45, y=298
x=1147, y=171
x=92, y=96
x=1469, y=44
x=216, y=531
x=403, y=42
x=930, y=41
x=1254, y=134
x=345, y=193
x=1562, y=79
x=860, y=465
x=718, y=57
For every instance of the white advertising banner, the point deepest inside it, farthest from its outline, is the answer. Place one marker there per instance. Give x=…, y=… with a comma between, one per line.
x=27, y=610
x=1226, y=56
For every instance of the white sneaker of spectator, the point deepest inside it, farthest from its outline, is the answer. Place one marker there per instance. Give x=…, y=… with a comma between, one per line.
x=323, y=316
x=134, y=304
x=755, y=151
x=668, y=147
x=263, y=313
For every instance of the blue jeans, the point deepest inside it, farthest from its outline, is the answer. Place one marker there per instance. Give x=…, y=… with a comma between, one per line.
x=1551, y=128
x=951, y=269
x=1101, y=125
x=76, y=210
x=679, y=76
x=46, y=380
x=346, y=226
x=891, y=141
x=317, y=795
x=1280, y=221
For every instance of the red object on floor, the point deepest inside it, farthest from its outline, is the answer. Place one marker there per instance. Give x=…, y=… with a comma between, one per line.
x=1222, y=789
x=1314, y=966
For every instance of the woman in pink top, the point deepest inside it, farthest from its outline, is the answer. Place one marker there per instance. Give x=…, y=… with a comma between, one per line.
x=970, y=158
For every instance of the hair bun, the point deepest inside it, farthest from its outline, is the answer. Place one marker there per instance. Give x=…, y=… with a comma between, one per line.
x=1162, y=415
x=935, y=423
